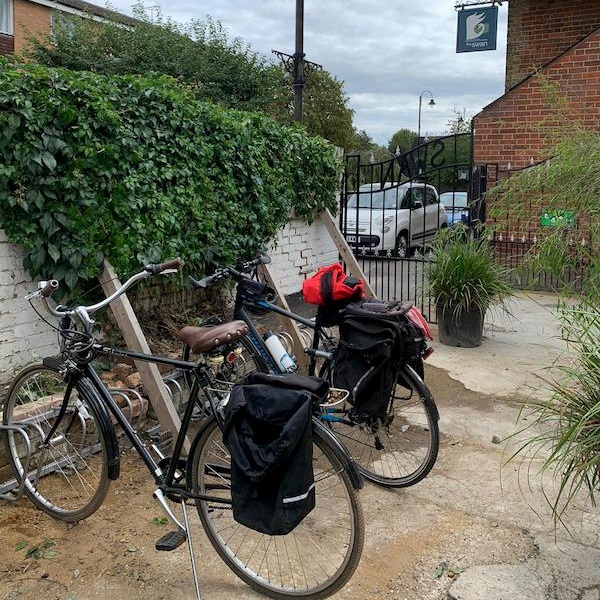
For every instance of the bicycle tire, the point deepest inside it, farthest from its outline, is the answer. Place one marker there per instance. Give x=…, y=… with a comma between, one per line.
x=403, y=450
x=68, y=478
x=332, y=532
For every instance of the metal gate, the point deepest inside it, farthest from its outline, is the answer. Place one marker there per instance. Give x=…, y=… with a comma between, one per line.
x=390, y=212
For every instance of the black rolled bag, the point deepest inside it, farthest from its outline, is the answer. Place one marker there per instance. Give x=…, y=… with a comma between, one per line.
x=268, y=431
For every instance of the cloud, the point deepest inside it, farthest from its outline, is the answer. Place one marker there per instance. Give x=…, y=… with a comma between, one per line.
x=386, y=54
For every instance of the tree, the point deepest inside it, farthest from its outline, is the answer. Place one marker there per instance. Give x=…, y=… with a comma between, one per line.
x=363, y=141
x=200, y=55
x=460, y=124
x=325, y=108
x=403, y=141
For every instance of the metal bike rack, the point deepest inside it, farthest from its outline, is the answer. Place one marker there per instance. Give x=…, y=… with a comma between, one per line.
x=7, y=488
x=126, y=395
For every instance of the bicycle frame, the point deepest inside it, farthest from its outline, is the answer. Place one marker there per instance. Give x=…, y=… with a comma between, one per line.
x=166, y=481
x=239, y=312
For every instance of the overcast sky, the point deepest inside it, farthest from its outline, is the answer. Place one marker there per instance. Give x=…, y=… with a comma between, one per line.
x=387, y=52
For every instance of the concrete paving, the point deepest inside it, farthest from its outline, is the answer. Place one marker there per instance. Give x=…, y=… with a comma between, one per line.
x=477, y=512
x=516, y=350
x=510, y=364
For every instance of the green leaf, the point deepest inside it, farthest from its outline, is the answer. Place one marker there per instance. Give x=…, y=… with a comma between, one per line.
x=48, y=160
x=34, y=552
x=54, y=252
x=440, y=570
x=21, y=545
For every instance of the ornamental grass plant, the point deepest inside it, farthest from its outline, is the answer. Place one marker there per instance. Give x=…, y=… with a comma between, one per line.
x=464, y=274
x=565, y=428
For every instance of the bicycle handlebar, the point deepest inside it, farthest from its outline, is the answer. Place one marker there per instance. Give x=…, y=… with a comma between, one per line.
x=162, y=267
x=46, y=288
x=238, y=272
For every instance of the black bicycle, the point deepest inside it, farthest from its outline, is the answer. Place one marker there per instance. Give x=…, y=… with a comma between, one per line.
x=72, y=454
x=396, y=451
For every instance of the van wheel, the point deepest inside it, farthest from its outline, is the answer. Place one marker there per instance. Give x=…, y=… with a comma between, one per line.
x=402, y=250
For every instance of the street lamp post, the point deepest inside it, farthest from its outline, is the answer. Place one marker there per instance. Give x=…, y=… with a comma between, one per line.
x=296, y=64
x=430, y=103
x=299, y=61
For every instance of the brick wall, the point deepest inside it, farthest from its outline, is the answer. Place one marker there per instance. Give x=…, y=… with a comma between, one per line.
x=507, y=130
x=540, y=30
x=298, y=252
x=24, y=337
x=31, y=20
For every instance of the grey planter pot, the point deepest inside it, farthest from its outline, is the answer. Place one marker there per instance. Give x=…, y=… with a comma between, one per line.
x=465, y=331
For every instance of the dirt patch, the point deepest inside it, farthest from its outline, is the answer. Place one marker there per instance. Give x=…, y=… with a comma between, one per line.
x=409, y=534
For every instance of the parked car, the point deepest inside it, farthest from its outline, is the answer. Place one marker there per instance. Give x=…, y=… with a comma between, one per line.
x=396, y=218
x=456, y=205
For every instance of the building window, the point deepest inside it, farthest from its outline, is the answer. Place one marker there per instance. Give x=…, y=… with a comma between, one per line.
x=60, y=23
x=6, y=17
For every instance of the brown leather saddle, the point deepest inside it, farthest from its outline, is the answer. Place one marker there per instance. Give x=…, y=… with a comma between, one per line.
x=205, y=339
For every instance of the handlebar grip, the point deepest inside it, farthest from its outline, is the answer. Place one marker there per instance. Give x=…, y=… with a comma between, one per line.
x=48, y=289
x=170, y=264
x=174, y=263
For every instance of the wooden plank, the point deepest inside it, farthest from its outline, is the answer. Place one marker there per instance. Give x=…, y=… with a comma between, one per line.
x=136, y=342
x=344, y=249
x=286, y=324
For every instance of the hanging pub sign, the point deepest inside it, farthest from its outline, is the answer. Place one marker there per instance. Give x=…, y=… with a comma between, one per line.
x=477, y=28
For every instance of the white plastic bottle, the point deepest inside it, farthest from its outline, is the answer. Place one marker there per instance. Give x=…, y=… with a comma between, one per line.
x=282, y=359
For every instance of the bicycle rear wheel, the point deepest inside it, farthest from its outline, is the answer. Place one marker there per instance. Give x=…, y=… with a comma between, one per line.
x=67, y=476
x=400, y=449
x=314, y=560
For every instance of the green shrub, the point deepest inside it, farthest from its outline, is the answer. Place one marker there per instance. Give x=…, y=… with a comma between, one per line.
x=464, y=274
x=135, y=169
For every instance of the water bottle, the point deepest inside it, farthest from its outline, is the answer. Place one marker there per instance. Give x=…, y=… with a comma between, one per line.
x=276, y=349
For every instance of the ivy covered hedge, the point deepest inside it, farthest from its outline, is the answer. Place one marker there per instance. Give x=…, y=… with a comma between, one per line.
x=135, y=169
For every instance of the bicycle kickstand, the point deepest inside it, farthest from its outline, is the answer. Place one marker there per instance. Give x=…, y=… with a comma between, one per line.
x=191, y=549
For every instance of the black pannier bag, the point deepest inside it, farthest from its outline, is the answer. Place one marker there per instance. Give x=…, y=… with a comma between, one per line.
x=268, y=432
x=376, y=338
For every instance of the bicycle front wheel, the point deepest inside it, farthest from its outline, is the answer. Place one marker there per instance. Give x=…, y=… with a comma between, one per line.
x=400, y=449
x=65, y=476
x=314, y=560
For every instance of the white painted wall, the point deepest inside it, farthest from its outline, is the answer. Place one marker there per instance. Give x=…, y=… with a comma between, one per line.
x=24, y=338
x=298, y=252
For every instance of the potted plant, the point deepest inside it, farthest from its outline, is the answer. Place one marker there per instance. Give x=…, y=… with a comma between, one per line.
x=464, y=280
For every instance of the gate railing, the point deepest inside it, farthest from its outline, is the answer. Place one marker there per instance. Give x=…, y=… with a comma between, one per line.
x=390, y=212
x=517, y=237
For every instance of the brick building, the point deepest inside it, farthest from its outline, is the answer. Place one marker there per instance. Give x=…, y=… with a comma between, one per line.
x=561, y=39
x=22, y=19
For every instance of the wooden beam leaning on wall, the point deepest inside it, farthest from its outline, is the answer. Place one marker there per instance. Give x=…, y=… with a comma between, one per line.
x=136, y=342
x=348, y=257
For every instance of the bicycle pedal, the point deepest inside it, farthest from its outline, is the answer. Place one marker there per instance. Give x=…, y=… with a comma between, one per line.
x=171, y=540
